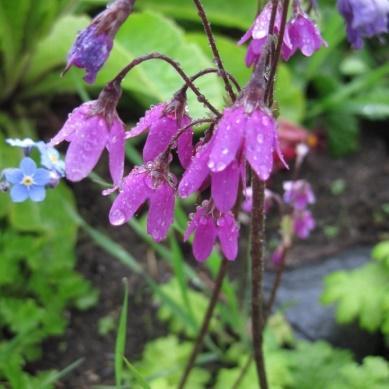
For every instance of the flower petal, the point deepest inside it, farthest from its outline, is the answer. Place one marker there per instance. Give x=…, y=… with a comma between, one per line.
x=225, y=187
x=27, y=166
x=150, y=117
x=227, y=139
x=134, y=194
x=85, y=148
x=13, y=175
x=115, y=147
x=19, y=193
x=42, y=177
x=37, y=193
x=184, y=144
x=161, y=212
x=204, y=239
x=228, y=234
x=259, y=143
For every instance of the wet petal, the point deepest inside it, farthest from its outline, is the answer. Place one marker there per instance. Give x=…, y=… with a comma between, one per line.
x=134, y=194
x=37, y=193
x=196, y=173
x=85, y=148
x=19, y=193
x=204, y=239
x=185, y=146
x=13, y=175
x=259, y=143
x=27, y=166
x=42, y=177
x=225, y=187
x=115, y=147
x=227, y=139
x=150, y=117
x=228, y=234
x=161, y=211
x=194, y=222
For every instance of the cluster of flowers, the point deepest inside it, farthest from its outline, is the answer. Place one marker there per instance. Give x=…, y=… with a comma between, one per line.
x=29, y=181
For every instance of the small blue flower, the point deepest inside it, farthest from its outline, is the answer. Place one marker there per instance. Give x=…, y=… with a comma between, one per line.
x=27, y=181
x=50, y=158
x=23, y=143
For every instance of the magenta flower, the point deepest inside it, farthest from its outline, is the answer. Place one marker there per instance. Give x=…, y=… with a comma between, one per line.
x=146, y=183
x=209, y=225
x=89, y=131
x=303, y=33
x=303, y=223
x=93, y=44
x=259, y=32
x=247, y=204
x=252, y=132
x=162, y=123
x=224, y=184
x=298, y=194
x=364, y=19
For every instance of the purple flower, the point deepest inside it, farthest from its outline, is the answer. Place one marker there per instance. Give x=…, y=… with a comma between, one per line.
x=144, y=183
x=303, y=223
x=162, y=123
x=209, y=225
x=259, y=32
x=252, y=132
x=298, y=194
x=93, y=44
x=27, y=181
x=364, y=19
x=224, y=184
x=89, y=130
x=247, y=204
x=303, y=33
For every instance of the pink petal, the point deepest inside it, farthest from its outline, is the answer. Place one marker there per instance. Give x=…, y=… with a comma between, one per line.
x=225, y=187
x=85, y=148
x=228, y=234
x=205, y=237
x=246, y=36
x=196, y=173
x=160, y=135
x=150, y=117
x=115, y=147
x=261, y=25
x=259, y=143
x=76, y=121
x=185, y=144
x=161, y=212
x=194, y=222
x=134, y=194
x=227, y=139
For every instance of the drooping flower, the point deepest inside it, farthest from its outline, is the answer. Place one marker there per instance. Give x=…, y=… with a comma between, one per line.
x=224, y=184
x=208, y=224
x=93, y=44
x=364, y=19
x=252, y=131
x=259, y=31
x=27, y=181
x=146, y=183
x=89, y=129
x=298, y=194
x=303, y=33
x=162, y=123
x=303, y=223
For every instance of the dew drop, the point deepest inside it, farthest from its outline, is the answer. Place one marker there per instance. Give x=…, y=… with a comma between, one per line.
x=117, y=217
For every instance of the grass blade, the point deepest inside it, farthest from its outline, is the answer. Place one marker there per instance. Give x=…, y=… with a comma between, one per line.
x=136, y=375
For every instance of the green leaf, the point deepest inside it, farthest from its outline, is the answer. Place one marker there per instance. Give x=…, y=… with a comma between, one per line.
x=381, y=253
x=136, y=375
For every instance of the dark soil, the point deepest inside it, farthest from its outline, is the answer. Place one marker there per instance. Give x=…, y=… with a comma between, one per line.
x=357, y=213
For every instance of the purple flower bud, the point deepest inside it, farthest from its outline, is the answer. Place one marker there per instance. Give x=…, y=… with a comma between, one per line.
x=364, y=19
x=278, y=255
x=93, y=44
x=151, y=183
x=208, y=225
x=298, y=194
x=89, y=129
x=303, y=223
x=303, y=33
x=252, y=132
x=162, y=123
x=247, y=204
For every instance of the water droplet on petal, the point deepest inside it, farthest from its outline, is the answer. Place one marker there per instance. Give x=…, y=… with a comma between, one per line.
x=117, y=217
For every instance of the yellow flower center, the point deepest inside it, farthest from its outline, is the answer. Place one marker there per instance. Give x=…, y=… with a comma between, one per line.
x=27, y=180
x=53, y=158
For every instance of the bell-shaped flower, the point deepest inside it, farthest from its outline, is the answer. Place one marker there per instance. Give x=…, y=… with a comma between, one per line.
x=94, y=44
x=253, y=132
x=27, y=181
x=90, y=128
x=364, y=19
x=209, y=224
x=298, y=194
x=259, y=32
x=303, y=223
x=224, y=184
x=146, y=183
x=162, y=123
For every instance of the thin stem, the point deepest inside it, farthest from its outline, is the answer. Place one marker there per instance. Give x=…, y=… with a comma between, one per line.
x=204, y=327
x=215, y=51
x=257, y=255
x=201, y=98
x=276, y=285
